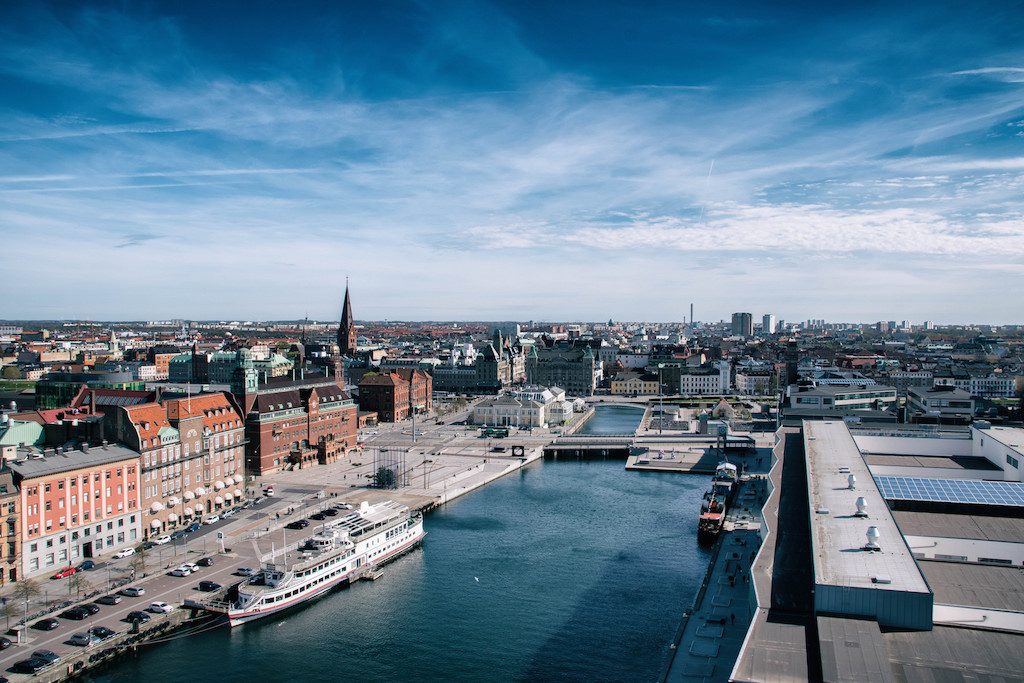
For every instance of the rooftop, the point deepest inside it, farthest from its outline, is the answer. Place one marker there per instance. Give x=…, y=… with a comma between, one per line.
x=837, y=536
x=29, y=465
x=945, y=525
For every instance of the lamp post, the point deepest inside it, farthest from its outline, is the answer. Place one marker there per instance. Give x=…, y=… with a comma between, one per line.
x=661, y=398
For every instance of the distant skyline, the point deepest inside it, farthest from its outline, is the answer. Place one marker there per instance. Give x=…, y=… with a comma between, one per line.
x=508, y=160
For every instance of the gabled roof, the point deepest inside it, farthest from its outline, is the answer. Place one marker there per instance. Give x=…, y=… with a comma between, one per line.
x=148, y=419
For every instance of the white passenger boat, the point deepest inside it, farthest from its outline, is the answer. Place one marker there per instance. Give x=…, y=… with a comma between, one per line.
x=342, y=551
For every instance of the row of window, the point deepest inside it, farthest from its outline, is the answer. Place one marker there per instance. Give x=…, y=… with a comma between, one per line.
x=73, y=482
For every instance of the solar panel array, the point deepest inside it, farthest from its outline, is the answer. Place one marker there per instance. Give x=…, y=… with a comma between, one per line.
x=970, y=491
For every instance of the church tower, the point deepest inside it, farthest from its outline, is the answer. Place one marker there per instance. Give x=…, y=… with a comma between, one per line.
x=347, y=328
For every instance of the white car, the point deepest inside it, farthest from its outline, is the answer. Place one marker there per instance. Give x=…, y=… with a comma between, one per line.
x=133, y=591
x=211, y=519
x=160, y=608
x=162, y=540
x=124, y=552
x=180, y=571
x=191, y=566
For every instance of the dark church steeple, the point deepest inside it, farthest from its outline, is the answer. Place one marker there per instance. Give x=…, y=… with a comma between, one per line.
x=347, y=328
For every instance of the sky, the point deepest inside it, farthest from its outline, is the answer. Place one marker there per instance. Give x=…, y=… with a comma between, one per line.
x=522, y=161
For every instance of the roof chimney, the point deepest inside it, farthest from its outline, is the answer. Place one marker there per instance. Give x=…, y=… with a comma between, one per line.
x=851, y=481
x=862, y=507
x=873, y=536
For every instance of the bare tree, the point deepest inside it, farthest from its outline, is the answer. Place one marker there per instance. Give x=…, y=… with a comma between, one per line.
x=10, y=609
x=138, y=561
x=80, y=583
x=26, y=589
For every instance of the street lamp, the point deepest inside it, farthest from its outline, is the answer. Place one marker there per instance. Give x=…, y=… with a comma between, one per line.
x=661, y=398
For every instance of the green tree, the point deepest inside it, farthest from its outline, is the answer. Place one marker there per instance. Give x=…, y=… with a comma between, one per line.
x=384, y=478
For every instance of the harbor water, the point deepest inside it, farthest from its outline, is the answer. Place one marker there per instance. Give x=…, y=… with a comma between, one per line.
x=573, y=570
x=613, y=419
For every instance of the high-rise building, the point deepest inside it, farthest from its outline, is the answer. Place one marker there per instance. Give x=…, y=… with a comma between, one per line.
x=768, y=323
x=347, y=328
x=743, y=324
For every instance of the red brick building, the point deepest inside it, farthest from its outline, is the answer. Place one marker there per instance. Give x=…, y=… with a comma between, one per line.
x=396, y=394
x=299, y=423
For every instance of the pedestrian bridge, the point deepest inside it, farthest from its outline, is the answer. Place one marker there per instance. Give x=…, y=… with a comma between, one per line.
x=611, y=445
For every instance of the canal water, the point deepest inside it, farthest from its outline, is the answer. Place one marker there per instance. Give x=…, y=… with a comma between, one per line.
x=620, y=419
x=565, y=570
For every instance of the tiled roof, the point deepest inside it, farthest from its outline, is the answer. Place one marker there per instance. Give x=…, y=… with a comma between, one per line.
x=148, y=419
x=216, y=410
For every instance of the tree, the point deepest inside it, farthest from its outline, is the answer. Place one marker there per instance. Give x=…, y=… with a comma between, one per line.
x=79, y=583
x=138, y=561
x=10, y=609
x=384, y=478
x=26, y=589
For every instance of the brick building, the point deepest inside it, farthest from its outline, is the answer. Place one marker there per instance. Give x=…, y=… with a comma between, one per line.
x=395, y=395
x=298, y=423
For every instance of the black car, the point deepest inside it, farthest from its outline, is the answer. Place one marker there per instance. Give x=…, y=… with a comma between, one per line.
x=140, y=617
x=48, y=656
x=88, y=565
x=5, y=643
x=148, y=545
x=330, y=512
x=91, y=608
x=32, y=665
x=297, y=524
x=76, y=613
x=209, y=586
x=319, y=516
x=109, y=599
x=102, y=632
x=47, y=624
x=205, y=562
x=179, y=534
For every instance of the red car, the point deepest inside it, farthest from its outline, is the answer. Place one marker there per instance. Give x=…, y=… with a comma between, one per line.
x=64, y=573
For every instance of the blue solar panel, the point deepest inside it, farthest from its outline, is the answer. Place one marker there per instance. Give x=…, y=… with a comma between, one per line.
x=970, y=491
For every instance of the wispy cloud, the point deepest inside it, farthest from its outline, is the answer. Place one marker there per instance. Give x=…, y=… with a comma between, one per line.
x=1010, y=74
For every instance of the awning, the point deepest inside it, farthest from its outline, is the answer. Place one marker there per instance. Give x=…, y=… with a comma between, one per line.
x=238, y=493
x=189, y=495
x=172, y=518
x=238, y=479
x=218, y=500
x=219, y=485
x=200, y=491
x=173, y=501
x=156, y=507
x=228, y=496
x=187, y=512
x=155, y=524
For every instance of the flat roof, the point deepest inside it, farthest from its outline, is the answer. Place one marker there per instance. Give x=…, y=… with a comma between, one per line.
x=852, y=650
x=949, y=654
x=962, y=491
x=96, y=456
x=1011, y=437
x=976, y=585
x=950, y=525
x=837, y=536
x=953, y=462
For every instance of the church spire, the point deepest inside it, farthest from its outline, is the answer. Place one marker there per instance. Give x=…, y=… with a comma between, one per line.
x=347, y=328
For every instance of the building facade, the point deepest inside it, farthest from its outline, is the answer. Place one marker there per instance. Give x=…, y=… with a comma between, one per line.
x=395, y=395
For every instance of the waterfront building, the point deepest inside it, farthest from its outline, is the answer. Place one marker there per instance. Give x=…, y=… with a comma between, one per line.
x=635, y=384
x=528, y=406
x=299, y=423
x=841, y=399
x=76, y=504
x=710, y=378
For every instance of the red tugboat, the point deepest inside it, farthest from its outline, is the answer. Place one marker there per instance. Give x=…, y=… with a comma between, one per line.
x=716, y=500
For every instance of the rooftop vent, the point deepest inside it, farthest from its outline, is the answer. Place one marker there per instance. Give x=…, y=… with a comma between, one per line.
x=862, y=507
x=881, y=578
x=851, y=481
x=873, y=536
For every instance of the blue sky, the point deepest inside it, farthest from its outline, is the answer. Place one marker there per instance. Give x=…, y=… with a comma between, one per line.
x=512, y=160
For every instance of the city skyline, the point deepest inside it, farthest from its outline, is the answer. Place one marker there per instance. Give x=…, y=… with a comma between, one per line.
x=497, y=161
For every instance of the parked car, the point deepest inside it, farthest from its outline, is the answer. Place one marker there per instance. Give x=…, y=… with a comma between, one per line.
x=48, y=656
x=297, y=524
x=5, y=643
x=228, y=513
x=245, y=571
x=205, y=562
x=111, y=599
x=319, y=516
x=209, y=586
x=91, y=608
x=83, y=639
x=47, y=624
x=193, y=527
x=191, y=566
x=133, y=591
x=76, y=613
x=138, y=616
x=160, y=608
x=64, y=573
x=86, y=566
x=343, y=506
x=178, y=535
x=180, y=571
x=148, y=545
x=162, y=540
x=32, y=665
x=102, y=632
x=211, y=519
x=330, y=512
x=124, y=552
